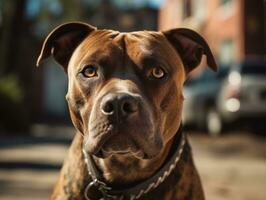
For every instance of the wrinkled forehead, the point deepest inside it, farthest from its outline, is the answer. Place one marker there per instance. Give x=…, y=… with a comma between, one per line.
x=99, y=43
x=137, y=46
x=145, y=45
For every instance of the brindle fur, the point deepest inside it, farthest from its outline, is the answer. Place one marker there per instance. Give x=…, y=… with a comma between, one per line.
x=183, y=183
x=124, y=61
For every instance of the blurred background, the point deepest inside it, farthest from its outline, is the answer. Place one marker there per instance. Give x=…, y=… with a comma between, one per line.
x=224, y=112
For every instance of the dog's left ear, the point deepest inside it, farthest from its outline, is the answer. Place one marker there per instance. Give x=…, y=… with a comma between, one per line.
x=191, y=46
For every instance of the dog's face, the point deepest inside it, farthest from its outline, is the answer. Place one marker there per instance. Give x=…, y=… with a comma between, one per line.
x=125, y=89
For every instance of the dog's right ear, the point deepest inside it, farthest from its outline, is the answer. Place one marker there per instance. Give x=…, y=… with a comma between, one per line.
x=191, y=46
x=63, y=40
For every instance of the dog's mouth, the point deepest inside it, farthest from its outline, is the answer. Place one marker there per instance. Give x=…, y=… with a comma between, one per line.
x=139, y=154
x=116, y=144
x=119, y=143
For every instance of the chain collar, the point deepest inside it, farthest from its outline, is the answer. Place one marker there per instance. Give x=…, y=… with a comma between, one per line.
x=139, y=190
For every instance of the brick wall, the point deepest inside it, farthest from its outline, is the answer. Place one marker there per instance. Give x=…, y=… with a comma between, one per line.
x=235, y=28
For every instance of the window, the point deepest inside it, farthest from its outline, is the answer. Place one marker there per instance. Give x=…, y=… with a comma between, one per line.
x=256, y=68
x=226, y=52
x=187, y=10
x=199, y=9
x=226, y=2
x=227, y=8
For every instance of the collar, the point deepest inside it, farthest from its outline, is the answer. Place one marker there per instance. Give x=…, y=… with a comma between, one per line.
x=140, y=189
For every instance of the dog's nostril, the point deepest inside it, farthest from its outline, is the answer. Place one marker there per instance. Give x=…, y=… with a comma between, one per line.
x=108, y=108
x=129, y=106
x=119, y=104
x=126, y=107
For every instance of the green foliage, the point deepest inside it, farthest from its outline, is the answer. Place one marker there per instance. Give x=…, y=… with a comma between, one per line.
x=10, y=89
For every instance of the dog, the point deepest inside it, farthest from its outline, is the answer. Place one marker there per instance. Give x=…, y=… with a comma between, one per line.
x=125, y=100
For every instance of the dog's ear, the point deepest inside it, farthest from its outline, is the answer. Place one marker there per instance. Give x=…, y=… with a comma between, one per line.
x=191, y=46
x=63, y=40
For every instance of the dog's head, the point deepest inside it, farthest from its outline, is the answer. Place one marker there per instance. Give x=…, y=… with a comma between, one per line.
x=125, y=89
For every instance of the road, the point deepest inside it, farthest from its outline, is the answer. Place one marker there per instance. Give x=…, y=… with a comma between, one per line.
x=231, y=167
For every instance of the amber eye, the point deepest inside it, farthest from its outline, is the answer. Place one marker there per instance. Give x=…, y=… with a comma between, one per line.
x=89, y=71
x=157, y=72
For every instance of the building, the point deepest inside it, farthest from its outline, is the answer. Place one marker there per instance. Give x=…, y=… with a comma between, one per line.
x=234, y=29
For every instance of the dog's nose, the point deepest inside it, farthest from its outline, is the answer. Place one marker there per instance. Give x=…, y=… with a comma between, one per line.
x=119, y=104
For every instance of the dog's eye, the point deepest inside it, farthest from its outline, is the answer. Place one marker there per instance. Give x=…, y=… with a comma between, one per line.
x=157, y=72
x=89, y=71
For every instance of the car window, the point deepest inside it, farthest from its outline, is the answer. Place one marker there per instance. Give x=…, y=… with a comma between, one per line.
x=258, y=69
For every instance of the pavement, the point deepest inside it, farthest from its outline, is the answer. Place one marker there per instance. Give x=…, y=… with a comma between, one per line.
x=232, y=166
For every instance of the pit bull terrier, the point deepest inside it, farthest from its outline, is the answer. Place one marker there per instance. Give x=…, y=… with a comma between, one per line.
x=125, y=100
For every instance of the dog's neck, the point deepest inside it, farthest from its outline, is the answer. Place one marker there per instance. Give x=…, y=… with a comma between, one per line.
x=117, y=171
x=74, y=177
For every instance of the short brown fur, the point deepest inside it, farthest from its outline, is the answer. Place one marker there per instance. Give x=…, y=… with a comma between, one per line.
x=124, y=63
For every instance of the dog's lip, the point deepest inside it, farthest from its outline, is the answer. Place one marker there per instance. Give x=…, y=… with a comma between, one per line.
x=138, y=148
x=132, y=149
x=135, y=149
x=101, y=141
x=129, y=148
x=138, y=153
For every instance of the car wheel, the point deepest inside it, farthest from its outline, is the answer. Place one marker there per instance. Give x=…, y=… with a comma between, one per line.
x=214, y=123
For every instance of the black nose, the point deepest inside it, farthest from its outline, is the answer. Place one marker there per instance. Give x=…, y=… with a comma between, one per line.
x=120, y=104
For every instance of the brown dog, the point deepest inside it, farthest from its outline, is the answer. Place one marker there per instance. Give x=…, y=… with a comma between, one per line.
x=125, y=100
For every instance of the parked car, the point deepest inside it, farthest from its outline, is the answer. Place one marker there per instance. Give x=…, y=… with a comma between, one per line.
x=243, y=96
x=200, y=97
x=235, y=94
